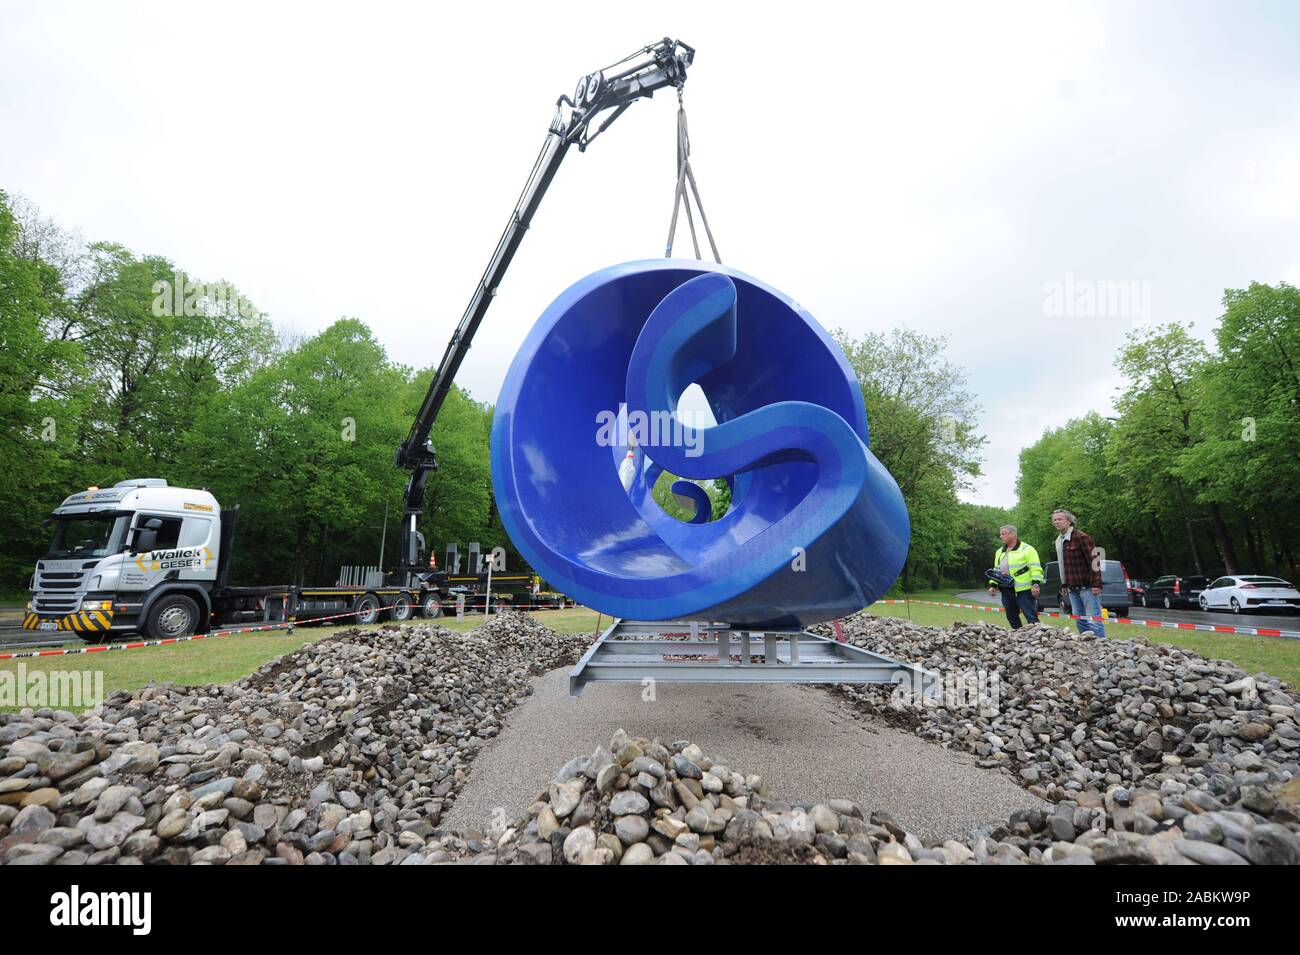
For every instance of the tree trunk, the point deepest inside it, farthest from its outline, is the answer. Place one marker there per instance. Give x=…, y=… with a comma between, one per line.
x=1162, y=545
x=300, y=555
x=320, y=551
x=1191, y=534
x=1251, y=544
x=1230, y=563
x=1278, y=540
x=1283, y=545
x=1124, y=546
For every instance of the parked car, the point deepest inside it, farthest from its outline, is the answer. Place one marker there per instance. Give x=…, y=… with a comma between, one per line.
x=1174, y=591
x=1243, y=594
x=1136, y=588
x=1114, y=589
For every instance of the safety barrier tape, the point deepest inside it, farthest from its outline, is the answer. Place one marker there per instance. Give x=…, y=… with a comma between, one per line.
x=984, y=608
x=280, y=625
x=1168, y=624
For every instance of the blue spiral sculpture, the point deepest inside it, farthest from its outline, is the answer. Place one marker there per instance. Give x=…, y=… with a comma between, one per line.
x=817, y=527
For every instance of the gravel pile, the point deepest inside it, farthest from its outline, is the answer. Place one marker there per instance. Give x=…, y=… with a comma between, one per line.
x=1125, y=736
x=348, y=750
x=645, y=802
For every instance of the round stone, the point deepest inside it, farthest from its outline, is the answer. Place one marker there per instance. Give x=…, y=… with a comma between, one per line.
x=628, y=802
x=631, y=828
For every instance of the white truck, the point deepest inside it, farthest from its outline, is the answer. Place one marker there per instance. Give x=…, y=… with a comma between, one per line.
x=146, y=557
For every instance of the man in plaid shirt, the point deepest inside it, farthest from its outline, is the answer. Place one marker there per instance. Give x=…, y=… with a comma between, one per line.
x=1080, y=563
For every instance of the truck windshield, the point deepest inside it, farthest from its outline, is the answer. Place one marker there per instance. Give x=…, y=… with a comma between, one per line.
x=87, y=535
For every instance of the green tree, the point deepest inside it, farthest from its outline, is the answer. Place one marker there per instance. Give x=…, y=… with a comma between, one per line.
x=1247, y=461
x=119, y=365
x=159, y=345
x=458, y=497
x=305, y=445
x=921, y=420
x=979, y=525
x=1162, y=417
x=1072, y=467
x=720, y=491
x=39, y=398
x=1201, y=467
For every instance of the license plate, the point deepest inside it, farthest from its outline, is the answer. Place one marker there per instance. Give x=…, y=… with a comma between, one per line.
x=49, y=625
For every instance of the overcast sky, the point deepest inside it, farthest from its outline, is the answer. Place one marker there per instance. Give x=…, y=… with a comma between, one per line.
x=965, y=170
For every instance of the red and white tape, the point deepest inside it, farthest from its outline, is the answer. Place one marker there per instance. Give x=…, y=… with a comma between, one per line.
x=1168, y=624
x=282, y=625
x=136, y=644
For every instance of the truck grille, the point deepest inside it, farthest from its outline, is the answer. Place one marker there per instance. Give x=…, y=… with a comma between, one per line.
x=53, y=581
x=57, y=590
x=56, y=603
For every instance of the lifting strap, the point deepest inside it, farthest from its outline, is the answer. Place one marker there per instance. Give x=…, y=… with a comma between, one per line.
x=681, y=198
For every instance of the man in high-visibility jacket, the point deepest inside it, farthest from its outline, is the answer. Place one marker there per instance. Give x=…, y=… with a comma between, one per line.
x=1019, y=572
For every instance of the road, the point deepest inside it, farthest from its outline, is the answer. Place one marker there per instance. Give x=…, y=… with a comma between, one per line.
x=13, y=636
x=1275, y=621
x=804, y=741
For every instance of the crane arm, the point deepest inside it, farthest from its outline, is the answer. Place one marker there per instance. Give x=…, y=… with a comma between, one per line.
x=604, y=93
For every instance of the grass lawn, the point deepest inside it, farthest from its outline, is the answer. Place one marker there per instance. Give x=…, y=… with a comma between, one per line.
x=575, y=620
x=1253, y=654
x=222, y=659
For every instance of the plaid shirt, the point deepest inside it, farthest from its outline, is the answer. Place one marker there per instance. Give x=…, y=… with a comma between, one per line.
x=1078, y=568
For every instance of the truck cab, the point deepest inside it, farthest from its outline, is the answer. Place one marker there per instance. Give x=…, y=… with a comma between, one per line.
x=140, y=555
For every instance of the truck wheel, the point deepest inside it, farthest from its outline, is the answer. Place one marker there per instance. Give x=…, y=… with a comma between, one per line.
x=401, y=610
x=366, y=608
x=170, y=617
x=431, y=606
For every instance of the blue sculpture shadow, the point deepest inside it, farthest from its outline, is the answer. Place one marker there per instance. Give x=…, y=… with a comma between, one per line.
x=817, y=527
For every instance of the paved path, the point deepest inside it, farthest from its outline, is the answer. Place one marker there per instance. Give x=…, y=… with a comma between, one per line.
x=807, y=744
x=978, y=596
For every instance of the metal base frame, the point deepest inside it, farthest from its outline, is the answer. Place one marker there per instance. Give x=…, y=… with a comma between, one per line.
x=674, y=651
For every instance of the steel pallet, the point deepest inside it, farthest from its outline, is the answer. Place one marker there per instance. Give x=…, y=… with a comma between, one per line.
x=675, y=651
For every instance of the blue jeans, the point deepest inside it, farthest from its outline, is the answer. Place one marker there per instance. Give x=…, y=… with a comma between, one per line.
x=1017, y=603
x=1083, y=602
